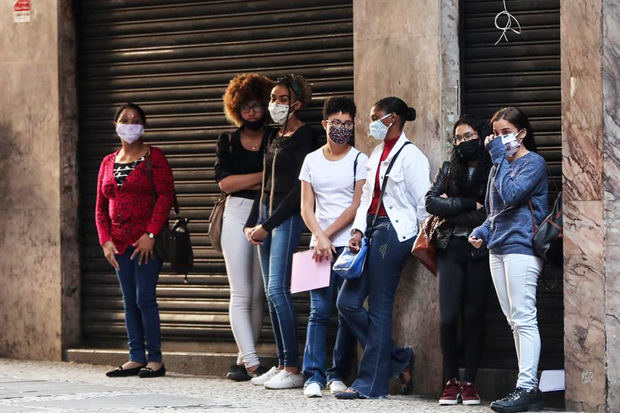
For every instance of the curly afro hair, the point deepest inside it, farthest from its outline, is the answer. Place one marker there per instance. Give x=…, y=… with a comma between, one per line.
x=242, y=89
x=299, y=85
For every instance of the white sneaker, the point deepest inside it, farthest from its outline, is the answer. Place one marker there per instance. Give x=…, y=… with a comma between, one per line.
x=336, y=386
x=313, y=390
x=264, y=378
x=285, y=380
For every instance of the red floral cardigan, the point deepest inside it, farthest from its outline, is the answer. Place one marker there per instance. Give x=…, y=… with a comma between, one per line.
x=124, y=214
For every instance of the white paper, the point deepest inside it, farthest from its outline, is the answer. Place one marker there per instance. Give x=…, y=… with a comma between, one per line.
x=551, y=380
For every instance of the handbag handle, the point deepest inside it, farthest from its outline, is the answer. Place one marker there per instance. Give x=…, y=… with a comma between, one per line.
x=385, y=178
x=149, y=172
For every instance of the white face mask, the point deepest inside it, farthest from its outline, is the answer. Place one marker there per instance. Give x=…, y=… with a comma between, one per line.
x=378, y=130
x=129, y=132
x=511, y=143
x=280, y=113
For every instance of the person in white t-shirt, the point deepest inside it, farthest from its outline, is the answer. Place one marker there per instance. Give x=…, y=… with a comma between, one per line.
x=331, y=178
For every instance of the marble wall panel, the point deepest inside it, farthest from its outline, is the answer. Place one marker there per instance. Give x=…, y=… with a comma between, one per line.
x=611, y=176
x=612, y=302
x=584, y=305
x=582, y=136
x=611, y=98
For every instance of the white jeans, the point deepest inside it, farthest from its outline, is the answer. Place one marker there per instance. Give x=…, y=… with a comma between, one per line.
x=245, y=279
x=515, y=277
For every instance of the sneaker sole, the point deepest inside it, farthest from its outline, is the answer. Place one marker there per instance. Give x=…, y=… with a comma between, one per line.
x=523, y=408
x=313, y=396
x=284, y=388
x=448, y=402
x=471, y=402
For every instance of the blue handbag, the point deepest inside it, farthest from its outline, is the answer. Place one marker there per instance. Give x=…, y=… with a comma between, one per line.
x=351, y=264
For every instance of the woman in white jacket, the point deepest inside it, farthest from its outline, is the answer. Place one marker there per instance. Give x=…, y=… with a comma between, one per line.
x=391, y=221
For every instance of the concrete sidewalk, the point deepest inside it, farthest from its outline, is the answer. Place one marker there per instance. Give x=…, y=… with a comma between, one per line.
x=35, y=386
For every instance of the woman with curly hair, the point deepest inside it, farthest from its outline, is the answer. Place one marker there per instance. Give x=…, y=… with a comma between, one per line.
x=275, y=222
x=238, y=171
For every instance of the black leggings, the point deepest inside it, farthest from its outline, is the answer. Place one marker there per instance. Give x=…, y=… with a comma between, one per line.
x=463, y=287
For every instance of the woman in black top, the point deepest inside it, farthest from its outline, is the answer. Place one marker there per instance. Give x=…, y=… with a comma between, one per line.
x=457, y=196
x=238, y=171
x=275, y=223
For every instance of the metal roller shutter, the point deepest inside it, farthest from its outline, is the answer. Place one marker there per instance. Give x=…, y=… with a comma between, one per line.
x=175, y=58
x=523, y=72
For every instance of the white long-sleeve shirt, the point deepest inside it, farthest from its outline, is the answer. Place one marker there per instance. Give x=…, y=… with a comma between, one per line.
x=407, y=184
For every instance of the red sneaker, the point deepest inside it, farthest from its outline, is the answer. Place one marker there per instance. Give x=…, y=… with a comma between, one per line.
x=469, y=393
x=451, y=393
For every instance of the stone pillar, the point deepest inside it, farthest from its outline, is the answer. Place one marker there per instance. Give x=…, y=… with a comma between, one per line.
x=611, y=195
x=397, y=48
x=591, y=172
x=37, y=180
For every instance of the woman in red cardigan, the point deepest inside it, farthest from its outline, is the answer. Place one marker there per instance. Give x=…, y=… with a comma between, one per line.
x=131, y=211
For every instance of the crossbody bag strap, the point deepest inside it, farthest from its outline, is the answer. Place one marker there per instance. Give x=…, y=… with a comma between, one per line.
x=385, y=178
x=531, y=207
x=149, y=172
x=265, y=146
x=355, y=169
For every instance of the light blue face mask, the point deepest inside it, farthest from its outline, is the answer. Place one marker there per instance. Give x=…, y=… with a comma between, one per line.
x=377, y=130
x=511, y=143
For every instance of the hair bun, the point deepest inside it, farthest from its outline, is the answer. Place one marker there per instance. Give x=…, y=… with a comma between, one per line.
x=410, y=113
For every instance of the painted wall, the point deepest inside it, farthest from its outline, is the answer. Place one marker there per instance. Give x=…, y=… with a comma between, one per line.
x=31, y=202
x=397, y=53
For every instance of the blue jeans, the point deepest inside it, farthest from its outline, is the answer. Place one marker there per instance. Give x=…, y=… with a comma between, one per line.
x=321, y=305
x=138, y=284
x=373, y=327
x=276, y=256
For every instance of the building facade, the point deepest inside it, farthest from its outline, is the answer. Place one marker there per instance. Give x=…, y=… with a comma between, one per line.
x=66, y=69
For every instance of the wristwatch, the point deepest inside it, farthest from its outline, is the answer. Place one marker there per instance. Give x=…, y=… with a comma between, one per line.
x=150, y=235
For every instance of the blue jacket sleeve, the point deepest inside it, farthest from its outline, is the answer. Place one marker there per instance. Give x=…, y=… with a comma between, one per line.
x=482, y=232
x=514, y=190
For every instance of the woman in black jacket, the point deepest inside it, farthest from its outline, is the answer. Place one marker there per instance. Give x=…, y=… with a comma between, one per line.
x=457, y=197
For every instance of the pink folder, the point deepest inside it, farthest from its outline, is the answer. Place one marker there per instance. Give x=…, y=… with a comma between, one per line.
x=307, y=274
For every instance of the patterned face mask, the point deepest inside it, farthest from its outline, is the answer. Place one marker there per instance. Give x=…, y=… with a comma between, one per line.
x=340, y=134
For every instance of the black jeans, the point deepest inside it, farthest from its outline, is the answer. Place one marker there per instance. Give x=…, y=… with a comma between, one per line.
x=464, y=283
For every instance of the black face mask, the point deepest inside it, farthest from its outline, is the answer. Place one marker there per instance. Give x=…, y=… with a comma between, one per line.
x=469, y=150
x=254, y=125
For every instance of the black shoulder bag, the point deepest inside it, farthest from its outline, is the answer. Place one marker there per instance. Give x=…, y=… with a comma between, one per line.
x=174, y=244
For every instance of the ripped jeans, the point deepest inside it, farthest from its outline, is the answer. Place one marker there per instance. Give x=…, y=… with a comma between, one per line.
x=382, y=359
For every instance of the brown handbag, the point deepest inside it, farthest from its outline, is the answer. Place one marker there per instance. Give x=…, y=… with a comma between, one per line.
x=423, y=248
x=215, y=223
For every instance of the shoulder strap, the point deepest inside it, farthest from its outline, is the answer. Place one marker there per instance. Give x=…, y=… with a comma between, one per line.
x=385, y=178
x=534, y=226
x=355, y=170
x=149, y=172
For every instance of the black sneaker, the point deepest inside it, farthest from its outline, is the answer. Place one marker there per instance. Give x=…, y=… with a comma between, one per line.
x=519, y=400
x=238, y=373
x=260, y=370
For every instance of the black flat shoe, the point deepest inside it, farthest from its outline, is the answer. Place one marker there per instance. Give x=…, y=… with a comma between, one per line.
x=121, y=372
x=348, y=394
x=147, y=372
x=407, y=388
x=238, y=372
